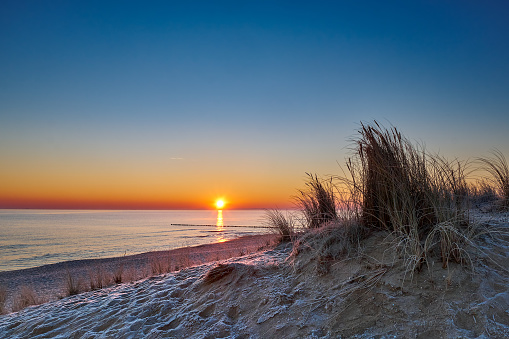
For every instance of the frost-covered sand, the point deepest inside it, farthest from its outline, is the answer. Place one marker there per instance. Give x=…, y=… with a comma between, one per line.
x=49, y=282
x=265, y=295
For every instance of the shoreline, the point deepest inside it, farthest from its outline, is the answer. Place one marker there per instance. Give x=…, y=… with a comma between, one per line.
x=49, y=282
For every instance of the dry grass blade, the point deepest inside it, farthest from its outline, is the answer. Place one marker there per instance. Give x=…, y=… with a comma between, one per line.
x=482, y=192
x=98, y=278
x=73, y=285
x=318, y=201
x=159, y=266
x=26, y=297
x=452, y=241
x=3, y=297
x=118, y=275
x=499, y=170
x=281, y=223
x=392, y=176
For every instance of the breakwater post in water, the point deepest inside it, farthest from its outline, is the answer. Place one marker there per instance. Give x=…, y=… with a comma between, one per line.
x=211, y=225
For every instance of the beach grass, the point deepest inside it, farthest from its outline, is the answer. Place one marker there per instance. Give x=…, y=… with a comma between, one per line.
x=282, y=223
x=482, y=192
x=395, y=186
x=3, y=298
x=496, y=166
x=118, y=275
x=26, y=297
x=97, y=278
x=73, y=284
x=160, y=266
x=317, y=201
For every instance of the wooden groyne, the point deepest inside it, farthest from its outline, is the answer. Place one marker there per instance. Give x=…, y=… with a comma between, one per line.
x=212, y=225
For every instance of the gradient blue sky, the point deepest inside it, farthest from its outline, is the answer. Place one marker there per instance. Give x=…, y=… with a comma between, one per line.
x=131, y=104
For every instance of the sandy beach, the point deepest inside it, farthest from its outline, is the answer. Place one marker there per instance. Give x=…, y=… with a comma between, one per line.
x=270, y=293
x=49, y=282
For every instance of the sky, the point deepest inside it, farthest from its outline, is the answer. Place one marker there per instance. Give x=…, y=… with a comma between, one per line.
x=175, y=104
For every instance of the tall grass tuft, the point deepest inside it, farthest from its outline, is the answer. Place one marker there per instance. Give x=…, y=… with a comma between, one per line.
x=497, y=166
x=482, y=192
x=317, y=201
x=184, y=259
x=159, y=266
x=449, y=196
x=26, y=297
x=410, y=192
x=118, y=275
x=392, y=179
x=281, y=223
x=97, y=278
x=73, y=285
x=3, y=297
x=394, y=185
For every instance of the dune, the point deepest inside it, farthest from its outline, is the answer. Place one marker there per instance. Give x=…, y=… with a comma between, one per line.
x=273, y=294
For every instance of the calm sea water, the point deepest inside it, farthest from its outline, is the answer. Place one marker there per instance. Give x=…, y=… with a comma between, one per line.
x=30, y=238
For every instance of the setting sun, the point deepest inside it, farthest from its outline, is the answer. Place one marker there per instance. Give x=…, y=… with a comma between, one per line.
x=220, y=204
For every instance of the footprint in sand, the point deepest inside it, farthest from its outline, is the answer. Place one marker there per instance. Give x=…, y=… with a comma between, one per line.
x=207, y=312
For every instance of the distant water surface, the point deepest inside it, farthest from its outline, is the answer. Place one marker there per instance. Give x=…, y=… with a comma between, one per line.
x=30, y=238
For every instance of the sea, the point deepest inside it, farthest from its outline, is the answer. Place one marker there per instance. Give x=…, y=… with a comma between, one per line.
x=31, y=238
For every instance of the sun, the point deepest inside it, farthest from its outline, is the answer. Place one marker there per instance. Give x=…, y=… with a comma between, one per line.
x=220, y=204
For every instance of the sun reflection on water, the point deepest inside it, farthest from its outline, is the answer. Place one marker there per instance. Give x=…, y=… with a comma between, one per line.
x=219, y=222
x=220, y=225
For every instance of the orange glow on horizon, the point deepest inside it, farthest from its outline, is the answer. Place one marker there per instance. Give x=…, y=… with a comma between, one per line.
x=122, y=204
x=137, y=199
x=79, y=189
